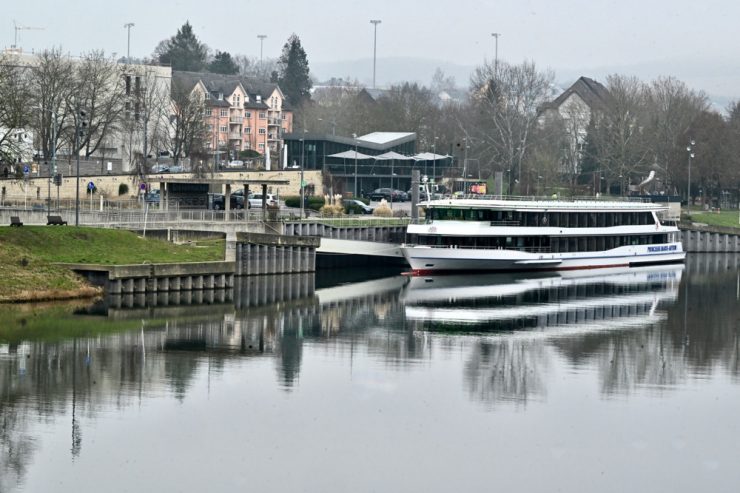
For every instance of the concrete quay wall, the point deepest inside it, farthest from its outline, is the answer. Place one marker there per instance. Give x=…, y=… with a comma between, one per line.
x=709, y=239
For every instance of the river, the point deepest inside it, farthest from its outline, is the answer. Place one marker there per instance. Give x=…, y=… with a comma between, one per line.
x=604, y=380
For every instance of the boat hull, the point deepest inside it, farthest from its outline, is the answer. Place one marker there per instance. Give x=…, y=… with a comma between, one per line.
x=423, y=259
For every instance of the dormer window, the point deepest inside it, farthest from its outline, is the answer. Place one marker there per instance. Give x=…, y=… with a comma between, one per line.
x=220, y=96
x=259, y=98
x=208, y=95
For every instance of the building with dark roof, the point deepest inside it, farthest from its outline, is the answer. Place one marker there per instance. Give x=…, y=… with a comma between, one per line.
x=575, y=107
x=241, y=113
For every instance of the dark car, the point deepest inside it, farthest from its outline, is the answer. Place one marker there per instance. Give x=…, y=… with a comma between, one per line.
x=422, y=195
x=352, y=206
x=237, y=202
x=387, y=194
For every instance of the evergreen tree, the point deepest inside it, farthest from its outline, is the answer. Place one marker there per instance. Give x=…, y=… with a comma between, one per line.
x=223, y=63
x=183, y=51
x=293, y=72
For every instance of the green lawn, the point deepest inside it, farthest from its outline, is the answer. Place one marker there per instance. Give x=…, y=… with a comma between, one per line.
x=727, y=219
x=28, y=255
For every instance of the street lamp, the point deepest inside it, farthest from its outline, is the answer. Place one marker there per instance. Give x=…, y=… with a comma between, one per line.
x=375, y=23
x=354, y=136
x=690, y=150
x=303, y=157
x=495, y=63
x=262, y=39
x=434, y=159
x=128, y=27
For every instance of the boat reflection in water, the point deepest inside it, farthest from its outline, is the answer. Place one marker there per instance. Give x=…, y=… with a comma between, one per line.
x=570, y=300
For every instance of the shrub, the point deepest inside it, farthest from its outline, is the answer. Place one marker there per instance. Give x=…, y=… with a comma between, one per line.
x=332, y=210
x=313, y=202
x=122, y=189
x=383, y=210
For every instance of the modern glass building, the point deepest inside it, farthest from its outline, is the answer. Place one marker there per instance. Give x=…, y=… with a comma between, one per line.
x=315, y=151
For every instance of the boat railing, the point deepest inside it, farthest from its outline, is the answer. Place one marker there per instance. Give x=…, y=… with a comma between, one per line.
x=536, y=198
x=466, y=247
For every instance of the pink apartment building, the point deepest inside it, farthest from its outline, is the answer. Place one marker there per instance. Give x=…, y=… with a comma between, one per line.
x=240, y=114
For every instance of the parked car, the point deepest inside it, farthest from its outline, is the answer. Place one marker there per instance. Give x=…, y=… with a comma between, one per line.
x=152, y=197
x=381, y=193
x=234, y=164
x=218, y=204
x=160, y=168
x=401, y=196
x=255, y=200
x=177, y=169
x=352, y=206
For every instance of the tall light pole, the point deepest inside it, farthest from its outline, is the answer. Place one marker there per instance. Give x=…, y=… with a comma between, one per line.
x=375, y=23
x=128, y=27
x=495, y=63
x=303, y=163
x=262, y=40
x=690, y=150
x=354, y=136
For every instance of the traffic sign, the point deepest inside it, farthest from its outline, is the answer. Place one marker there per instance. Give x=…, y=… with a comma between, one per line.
x=91, y=186
x=26, y=170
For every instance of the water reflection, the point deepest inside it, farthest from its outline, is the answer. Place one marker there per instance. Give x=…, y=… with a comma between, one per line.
x=650, y=329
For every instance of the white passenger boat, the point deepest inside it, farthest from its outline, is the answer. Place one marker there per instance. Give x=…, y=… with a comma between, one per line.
x=493, y=234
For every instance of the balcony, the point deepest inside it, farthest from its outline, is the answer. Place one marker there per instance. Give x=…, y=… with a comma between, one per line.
x=235, y=136
x=236, y=120
x=274, y=122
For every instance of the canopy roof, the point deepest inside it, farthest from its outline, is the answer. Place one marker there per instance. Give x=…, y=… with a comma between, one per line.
x=393, y=155
x=429, y=156
x=350, y=155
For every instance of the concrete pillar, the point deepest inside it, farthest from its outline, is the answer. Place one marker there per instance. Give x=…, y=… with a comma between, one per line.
x=197, y=282
x=312, y=260
x=273, y=260
x=230, y=281
x=140, y=285
x=151, y=285
x=246, y=202
x=219, y=281
x=227, y=204
x=264, y=202
x=127, y=286
x=186, y=283
x=230, y=253
x=208, y=281
x=174, y=284
x=114, y=286
x=163, y=284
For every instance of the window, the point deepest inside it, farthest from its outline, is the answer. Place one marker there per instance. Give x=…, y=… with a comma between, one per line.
x=248, y=130
x=207, y=112
x=248, y=114
x=262, y=146
x=224, y=112
x=263, y=131
x=210, y=127
x=223, y=128
x=263, y=115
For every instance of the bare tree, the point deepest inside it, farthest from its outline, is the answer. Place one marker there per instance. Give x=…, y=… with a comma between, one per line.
x=621, y=143
x=50, y=82
x=505, y=102
x=100, y=92
x=187, y=128
x=672, y=107
x=15, y=111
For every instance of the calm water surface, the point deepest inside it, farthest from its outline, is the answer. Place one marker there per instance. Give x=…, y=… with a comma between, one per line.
x=611, y=380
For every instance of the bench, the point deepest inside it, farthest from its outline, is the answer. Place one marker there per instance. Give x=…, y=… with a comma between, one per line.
x=15, y=221
x=55, y=221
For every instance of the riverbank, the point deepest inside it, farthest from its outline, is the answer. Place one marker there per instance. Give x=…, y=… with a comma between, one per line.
x=29, y=254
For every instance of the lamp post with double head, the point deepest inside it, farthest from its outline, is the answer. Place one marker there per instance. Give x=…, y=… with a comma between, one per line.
x=690, y=150
x=375, y=23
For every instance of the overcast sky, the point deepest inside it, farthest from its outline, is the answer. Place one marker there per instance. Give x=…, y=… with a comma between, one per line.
x=691, y=39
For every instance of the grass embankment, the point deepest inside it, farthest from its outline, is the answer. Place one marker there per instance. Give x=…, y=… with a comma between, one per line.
x=28, y=255
x=727, y=219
